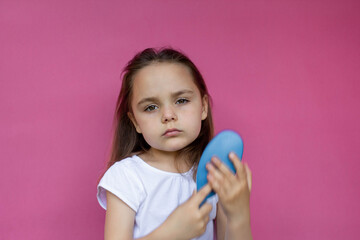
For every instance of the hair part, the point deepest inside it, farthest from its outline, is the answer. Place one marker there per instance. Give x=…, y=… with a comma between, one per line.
x=126, y=141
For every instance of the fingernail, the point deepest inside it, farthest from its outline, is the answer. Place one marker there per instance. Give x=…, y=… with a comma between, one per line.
x=215, y=160
x=209, y=166
x=232, y=154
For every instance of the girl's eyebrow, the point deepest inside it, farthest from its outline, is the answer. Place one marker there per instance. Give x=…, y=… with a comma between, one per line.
x=175, y=94
x=144, y=100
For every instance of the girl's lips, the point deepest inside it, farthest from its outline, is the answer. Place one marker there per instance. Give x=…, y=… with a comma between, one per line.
x=171, y=132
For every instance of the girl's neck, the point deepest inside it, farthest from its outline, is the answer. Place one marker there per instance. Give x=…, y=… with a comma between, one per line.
x=166, y=161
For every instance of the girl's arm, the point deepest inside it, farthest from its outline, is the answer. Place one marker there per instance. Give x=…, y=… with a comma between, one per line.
x=185, y=222
x=233, y=212
x=119, y=220
x=220, y=223
x=225, y=230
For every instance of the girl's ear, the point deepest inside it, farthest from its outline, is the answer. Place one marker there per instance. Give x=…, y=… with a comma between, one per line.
x=205, y=107
x=133, y=120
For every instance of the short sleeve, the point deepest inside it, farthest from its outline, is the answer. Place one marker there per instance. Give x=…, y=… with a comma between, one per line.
x=123, y=182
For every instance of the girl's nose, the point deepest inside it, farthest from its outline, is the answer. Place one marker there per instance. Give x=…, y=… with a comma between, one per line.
x=168, y=115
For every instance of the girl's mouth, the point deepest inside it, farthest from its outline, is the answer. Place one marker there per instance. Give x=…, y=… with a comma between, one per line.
x=171, y=132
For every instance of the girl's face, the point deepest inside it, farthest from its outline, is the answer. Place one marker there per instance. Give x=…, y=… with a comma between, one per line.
x=167, y=107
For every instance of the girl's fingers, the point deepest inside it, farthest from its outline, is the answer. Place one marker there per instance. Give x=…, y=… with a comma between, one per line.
x=215, y=185
x=249, y=176
x=201, y=194
x=205, y=209
x=239, y=167
x=215, y=173
x=219, y=181
x=235, y=160
x=207, y=218
x=222, y=168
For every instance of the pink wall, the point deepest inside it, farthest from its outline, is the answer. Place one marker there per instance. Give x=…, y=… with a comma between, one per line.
x=285, y=74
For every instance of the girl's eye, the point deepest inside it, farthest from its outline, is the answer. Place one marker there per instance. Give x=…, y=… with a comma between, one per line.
x=150, y=108
x=182, y=101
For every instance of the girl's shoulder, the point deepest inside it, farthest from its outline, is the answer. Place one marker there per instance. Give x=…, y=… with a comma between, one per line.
x=124, y=181
x=129, y=163
x=126, y=167
x=136, y=166
x=126, y=162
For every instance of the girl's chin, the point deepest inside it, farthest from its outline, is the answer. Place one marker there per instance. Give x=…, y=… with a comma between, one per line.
x=171, y=145
x=171, y=148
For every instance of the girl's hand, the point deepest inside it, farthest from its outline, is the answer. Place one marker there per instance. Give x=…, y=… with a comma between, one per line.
x=233, y=189
x=188, y=220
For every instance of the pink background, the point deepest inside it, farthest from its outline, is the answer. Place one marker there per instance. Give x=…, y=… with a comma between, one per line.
x=285, y=74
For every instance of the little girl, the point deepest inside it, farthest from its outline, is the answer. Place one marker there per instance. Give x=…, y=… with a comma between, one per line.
x=163, y=123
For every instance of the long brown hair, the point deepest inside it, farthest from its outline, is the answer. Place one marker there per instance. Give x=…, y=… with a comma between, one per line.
x=126, y=141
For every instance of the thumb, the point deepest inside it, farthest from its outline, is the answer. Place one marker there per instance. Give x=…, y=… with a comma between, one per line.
x=193, y=194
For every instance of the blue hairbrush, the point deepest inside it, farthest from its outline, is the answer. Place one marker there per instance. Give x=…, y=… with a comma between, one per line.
x=220, y=146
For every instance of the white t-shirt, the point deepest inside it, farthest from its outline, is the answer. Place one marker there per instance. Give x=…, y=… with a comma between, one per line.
x=152, y=193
